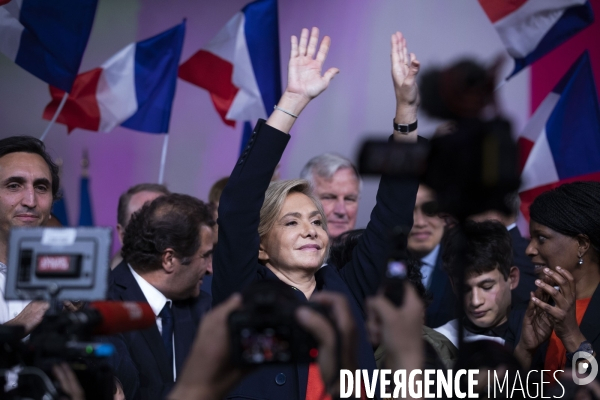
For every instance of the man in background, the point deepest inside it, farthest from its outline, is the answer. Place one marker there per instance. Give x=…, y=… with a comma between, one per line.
x=424, y=243
x=167, y=251
x=483, y=259
x=131, y=201
x=520, y=296
x=336, y=182
x=29, y=184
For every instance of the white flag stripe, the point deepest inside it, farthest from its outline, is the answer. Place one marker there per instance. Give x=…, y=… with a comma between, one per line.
x=247, y=104
x=10, y=31
x=522, y=30
x=116, y=92
x=539, y=169
x=537, y=123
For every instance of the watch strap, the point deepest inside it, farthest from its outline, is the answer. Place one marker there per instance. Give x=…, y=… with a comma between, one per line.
x=405, y=128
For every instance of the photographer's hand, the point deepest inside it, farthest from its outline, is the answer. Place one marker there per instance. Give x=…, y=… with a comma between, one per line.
x=208, y=373
x=68, y=381
x=399, y=329
x=31, y=316
x=325, y=334
x=405, y=68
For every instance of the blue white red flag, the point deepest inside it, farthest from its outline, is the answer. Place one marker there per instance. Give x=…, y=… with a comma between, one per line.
x=134, y=88
x=240, y=67
x=565, y=132
x=47, y=37
x=531, y=28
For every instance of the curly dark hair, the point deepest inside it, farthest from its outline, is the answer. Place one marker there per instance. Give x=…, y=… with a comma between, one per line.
x=487, y=246
x=170, y=221
x=28, y=144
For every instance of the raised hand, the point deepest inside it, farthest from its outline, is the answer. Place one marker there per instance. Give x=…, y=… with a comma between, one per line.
x=304, y=69
x=305, y=81
x=405, y=68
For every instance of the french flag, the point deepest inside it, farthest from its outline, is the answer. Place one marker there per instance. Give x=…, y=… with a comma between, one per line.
x=240, y=67
x=531, y=28
x=134, y=88
x=562, y=138
x=47, y=37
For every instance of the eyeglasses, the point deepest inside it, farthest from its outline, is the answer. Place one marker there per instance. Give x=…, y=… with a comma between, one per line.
x=429, y=208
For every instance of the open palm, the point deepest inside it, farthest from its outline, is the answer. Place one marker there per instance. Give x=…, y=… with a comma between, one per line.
x=304, y=69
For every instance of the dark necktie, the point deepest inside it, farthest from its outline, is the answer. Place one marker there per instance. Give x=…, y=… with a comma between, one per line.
x=166, y=316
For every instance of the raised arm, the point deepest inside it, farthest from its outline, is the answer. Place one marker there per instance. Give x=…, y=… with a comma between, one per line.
x=395, y=198
x=405, y=68
x=236, y=255
x=305, y=81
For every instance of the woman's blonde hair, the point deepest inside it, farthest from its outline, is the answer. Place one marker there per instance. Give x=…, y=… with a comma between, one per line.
x=276, y=194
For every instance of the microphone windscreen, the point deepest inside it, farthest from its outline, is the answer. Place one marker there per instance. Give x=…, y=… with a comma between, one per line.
x=120, y=317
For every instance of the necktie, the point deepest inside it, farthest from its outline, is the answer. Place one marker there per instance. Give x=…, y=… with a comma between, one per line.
x=166, y=316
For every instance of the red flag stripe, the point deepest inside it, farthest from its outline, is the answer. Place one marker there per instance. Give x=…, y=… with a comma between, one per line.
x=498, y=9
x=214, y=74
x=81, y=109
x=528, y=196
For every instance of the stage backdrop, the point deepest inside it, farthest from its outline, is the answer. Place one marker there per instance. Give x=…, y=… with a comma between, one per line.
x=359, y=102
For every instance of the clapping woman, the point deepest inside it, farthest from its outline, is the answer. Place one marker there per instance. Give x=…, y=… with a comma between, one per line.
x=563, y=316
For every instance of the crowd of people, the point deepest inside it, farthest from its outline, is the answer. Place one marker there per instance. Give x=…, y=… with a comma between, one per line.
x=476, y=294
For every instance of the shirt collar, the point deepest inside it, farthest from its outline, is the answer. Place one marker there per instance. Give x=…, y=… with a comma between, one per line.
x=509, y=227
x=155, y=298
x=3, y=268
x=431, y=258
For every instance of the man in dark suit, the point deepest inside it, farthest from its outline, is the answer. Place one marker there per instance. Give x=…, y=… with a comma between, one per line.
x=167, y=250
x=424, y=243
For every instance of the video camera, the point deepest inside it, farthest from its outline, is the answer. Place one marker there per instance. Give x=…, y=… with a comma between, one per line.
x=473, y=169
x=56, y=264
x=265, y=330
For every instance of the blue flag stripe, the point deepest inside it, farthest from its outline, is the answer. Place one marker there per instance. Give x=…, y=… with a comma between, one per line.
x=573, y=20
x=54, y=39
x=86, y=215
x=573, y=129
x=156, y=66
x=262, y=37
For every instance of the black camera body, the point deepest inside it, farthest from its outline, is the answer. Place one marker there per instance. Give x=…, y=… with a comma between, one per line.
x=265, y=330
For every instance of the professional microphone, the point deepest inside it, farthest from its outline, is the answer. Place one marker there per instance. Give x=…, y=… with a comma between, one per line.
x=110, y=317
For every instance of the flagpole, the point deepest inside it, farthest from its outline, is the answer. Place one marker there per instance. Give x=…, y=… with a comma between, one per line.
x=163, y=159
x=56, y=114
x=501, y=84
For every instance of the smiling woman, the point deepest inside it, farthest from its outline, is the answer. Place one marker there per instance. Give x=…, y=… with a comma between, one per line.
x=270, y=231
x=563, y=316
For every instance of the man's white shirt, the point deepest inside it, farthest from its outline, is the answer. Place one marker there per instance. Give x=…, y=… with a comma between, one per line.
x=450, y=330
x=9, y=309
x=157, y=302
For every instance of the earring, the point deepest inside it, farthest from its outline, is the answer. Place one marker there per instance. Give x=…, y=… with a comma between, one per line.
x=580, y=261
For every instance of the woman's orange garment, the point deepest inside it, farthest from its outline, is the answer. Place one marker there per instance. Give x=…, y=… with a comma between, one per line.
x=556, y=356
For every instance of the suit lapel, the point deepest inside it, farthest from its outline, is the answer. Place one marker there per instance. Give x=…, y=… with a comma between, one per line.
x=131, y=292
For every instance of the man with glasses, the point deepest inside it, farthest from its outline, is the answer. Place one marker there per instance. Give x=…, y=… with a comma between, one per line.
x=424, y=243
